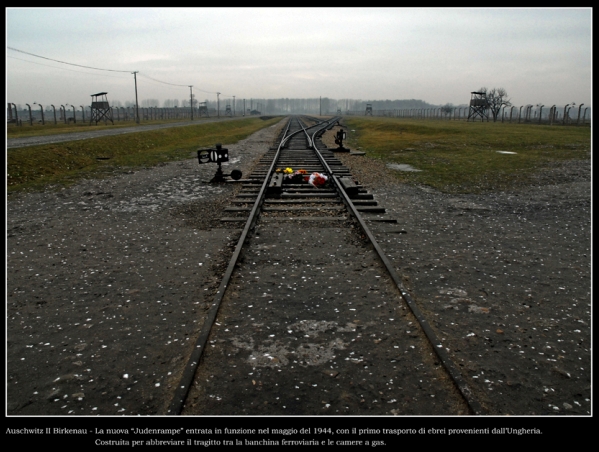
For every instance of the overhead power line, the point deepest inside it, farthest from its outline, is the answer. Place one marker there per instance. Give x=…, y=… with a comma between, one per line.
x=63, y=62
x=64, y=68
x=100, y=69
x=159, y=81
x=173, y=84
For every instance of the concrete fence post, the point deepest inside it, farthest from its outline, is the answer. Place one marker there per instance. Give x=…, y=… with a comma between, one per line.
x=30, y=117
x=578, y=119
x=564, y=119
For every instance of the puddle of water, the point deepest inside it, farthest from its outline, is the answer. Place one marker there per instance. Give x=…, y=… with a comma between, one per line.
x=402, y=167
x=506, y=152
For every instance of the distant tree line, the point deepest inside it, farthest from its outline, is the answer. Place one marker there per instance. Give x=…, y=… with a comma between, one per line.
x=285, y=105
x=280, y=106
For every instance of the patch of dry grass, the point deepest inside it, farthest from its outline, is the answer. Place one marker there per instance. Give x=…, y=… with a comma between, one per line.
x=35, y=167
x=465, y=157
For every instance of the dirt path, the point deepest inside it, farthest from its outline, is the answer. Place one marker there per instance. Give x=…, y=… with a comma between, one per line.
x=12, y=143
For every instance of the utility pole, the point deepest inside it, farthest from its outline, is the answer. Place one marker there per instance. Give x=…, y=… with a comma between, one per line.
x=243, y=107
x=217, y=105
x=191, y=101
x=234, y=106
x=136, y=103
x=320, y=105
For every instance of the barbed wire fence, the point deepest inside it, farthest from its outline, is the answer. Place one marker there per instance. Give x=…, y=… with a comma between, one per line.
x=569, y=114
x=148, y=112
x=36, y=114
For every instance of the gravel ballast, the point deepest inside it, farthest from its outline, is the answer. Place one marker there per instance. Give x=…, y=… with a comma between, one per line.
x=505, y=279
x=109, y=280
x=108, y=283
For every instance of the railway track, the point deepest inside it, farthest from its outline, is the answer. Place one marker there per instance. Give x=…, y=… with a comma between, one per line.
x=311, y=317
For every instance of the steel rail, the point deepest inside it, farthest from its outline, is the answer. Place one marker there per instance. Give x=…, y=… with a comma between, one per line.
x=310, y=142
x=444, y=357
x=288, y=137
x=182, y=390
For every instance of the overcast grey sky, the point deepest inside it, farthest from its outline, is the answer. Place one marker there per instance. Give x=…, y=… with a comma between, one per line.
x=434, y=54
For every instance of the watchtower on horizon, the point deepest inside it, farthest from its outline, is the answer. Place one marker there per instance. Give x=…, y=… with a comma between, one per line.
x=100, y=109
x=478, y=106
x=203, y=109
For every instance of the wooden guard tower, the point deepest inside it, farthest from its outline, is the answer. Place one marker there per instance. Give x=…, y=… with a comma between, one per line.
x=478, y=106
x=100, y=109
x=203, y=109
x=368, y=110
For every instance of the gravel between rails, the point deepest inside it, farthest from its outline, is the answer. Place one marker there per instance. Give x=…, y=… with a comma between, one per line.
x=108, y=282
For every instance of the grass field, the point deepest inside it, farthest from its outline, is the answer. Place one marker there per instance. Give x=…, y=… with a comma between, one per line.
x=464, y=157
x=452, y=156
x=36, y=167
x=14, y=131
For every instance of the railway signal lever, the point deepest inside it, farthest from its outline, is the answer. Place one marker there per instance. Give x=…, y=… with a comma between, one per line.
x=217, y=155
x=341, y=135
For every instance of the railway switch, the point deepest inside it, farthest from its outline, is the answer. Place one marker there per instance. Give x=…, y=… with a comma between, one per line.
x=217, y=155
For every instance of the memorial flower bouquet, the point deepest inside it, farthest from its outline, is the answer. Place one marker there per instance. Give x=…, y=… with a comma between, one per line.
x=301, y=176
x=317, y=180
x=295, y=177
